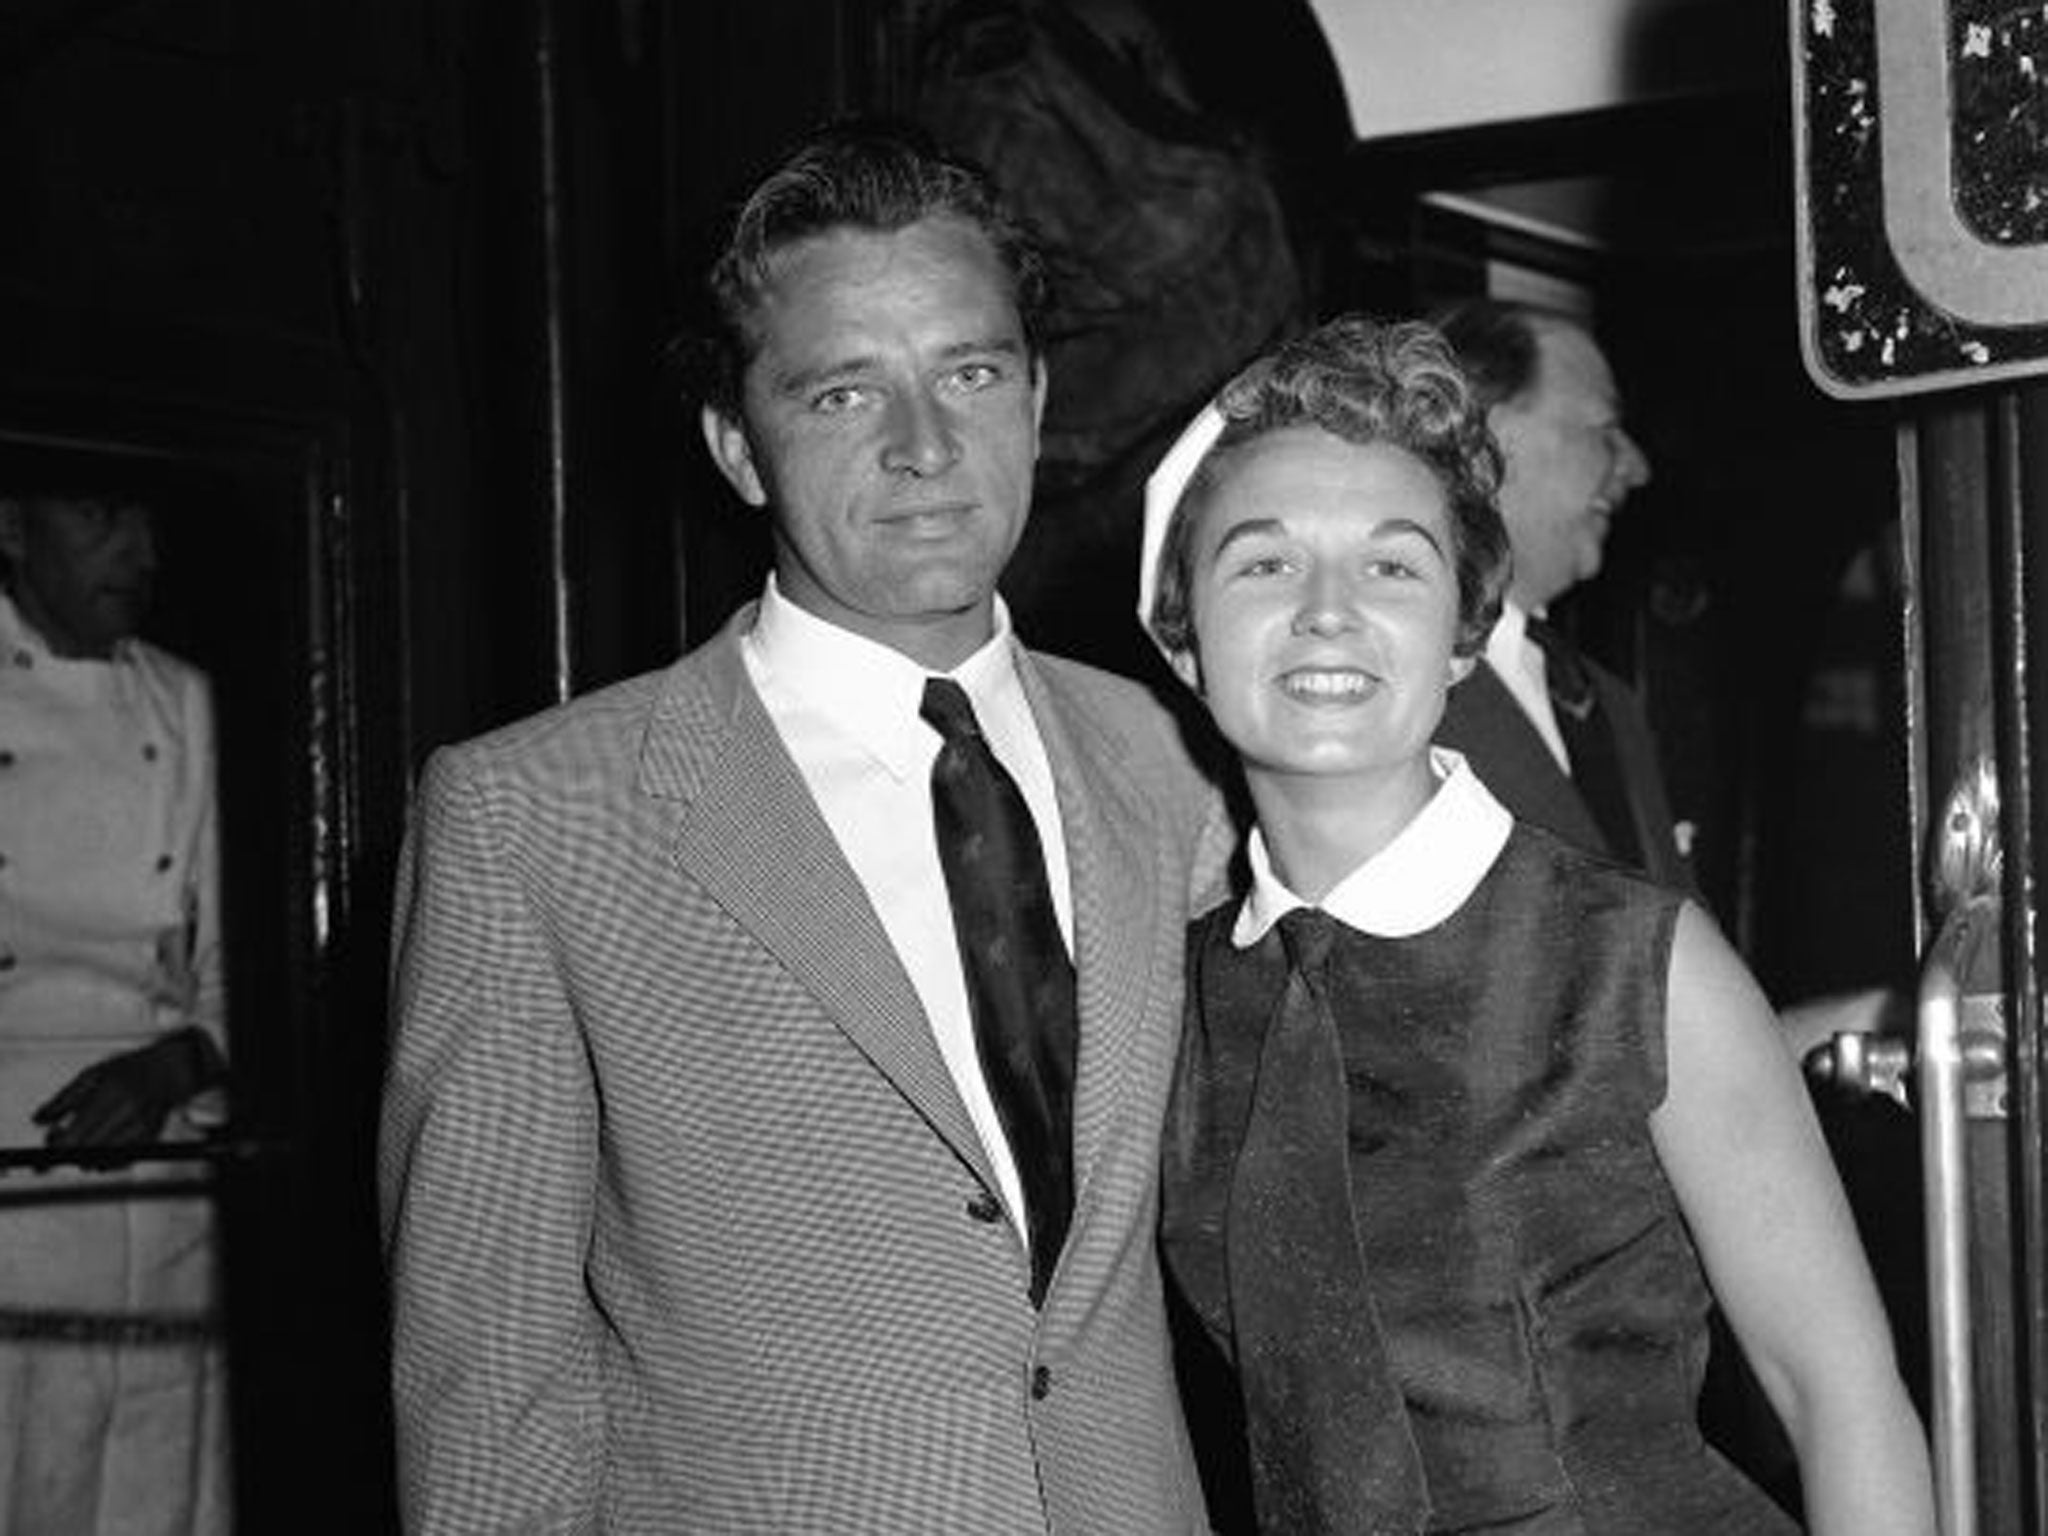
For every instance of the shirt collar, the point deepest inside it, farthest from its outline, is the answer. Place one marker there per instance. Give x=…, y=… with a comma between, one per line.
x=1509, y=637
x=1415, y=882
x=867, y=690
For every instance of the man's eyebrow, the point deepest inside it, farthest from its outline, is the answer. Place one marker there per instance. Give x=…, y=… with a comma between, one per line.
x=801, y=381
x=1006, y=343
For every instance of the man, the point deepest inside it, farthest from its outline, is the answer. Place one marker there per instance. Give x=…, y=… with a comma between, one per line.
x=111, y=1028
x=1560, y=739
x=710, y=1203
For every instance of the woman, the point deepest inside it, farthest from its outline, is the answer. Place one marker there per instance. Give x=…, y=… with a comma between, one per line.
x=1463, y=1113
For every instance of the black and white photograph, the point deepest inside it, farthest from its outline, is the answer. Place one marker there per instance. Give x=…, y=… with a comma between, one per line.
x=1023, y=768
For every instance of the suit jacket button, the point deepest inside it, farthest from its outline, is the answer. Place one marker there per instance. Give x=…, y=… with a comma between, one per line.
x=1041, y=1383
x=985, y=1208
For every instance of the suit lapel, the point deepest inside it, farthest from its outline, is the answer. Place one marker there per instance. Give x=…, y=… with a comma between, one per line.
x=1107, y=821
x=1483, y=721
x=1642, y=777
x=747, y=830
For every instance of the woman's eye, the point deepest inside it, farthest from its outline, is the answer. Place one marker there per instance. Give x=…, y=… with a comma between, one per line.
x=1392, y=568
x=1263, y=565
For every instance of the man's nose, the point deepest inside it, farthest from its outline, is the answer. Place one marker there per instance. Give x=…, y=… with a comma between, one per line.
x=1631, y=464
x=135, y=538
x=920, y=437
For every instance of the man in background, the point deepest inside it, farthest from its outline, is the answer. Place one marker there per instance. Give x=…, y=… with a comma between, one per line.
x=1559, y=738
x=1563, y=741
x=112, y=1411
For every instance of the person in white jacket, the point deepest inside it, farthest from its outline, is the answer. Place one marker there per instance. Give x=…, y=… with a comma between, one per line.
x=112, y=1402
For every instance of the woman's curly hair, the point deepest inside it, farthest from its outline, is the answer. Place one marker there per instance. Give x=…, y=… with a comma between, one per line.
x=1364, y=381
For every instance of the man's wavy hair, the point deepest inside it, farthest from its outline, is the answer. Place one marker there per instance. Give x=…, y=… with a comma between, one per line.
x=1366, y=382
x=871, y=174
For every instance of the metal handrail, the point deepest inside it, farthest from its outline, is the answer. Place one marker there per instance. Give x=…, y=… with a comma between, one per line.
x=1943, y=1172
x=1965, y=883
x=214, y=1149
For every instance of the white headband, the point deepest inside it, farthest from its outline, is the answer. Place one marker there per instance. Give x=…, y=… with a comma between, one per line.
x=1163, y=491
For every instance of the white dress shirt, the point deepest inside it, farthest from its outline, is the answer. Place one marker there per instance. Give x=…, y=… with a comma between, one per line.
x=846, y=707
x=1414, y=883
x=1518, y=661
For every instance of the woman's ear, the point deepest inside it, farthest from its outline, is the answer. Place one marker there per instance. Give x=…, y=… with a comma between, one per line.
x=1461, y=668
x=1187, y=668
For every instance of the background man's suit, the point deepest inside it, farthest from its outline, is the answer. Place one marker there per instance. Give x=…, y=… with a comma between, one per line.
x=1483, y=721
x=767, y=1290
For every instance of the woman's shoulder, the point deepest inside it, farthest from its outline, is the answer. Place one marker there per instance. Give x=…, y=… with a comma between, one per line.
x=1535, y=852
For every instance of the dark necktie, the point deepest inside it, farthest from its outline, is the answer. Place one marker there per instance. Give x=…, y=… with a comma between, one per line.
x=1331, y=1450
x=1588, y=741
x=1020, y=981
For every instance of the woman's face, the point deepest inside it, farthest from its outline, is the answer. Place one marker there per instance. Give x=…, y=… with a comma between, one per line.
x=1324, y=592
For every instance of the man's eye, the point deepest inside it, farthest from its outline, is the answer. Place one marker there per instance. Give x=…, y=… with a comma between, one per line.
x=1263, y=565
x=1393, y=568
x=977, y=376
x=840, y=397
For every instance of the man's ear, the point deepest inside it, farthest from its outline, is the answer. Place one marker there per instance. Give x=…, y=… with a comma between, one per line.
x=1187, y=667
x=1461, y=668
x=733, y=454
x=1040, y=380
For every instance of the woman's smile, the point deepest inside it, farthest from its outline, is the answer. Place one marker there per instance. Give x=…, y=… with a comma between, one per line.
x=1327, y=685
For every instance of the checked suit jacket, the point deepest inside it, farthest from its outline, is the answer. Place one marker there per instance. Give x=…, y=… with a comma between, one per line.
x=687, y=1228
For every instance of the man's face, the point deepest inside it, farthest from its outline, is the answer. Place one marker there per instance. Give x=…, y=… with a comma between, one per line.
x=890, y=426
x=84, y=568
x=1570, y=466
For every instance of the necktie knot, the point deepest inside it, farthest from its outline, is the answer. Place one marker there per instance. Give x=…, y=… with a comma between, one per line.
x=948, y=710
x=1307, y=934
x=1564, y=670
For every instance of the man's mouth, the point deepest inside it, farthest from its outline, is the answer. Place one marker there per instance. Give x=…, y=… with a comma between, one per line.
x=943, y=520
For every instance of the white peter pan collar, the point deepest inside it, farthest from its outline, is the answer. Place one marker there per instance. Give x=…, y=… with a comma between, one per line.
x=1414, y=883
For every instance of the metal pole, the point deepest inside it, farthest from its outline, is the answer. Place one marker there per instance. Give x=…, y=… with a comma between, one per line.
x=1948, y=1233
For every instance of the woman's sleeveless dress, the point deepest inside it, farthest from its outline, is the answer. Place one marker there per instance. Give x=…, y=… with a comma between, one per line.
x=1540, y=1300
